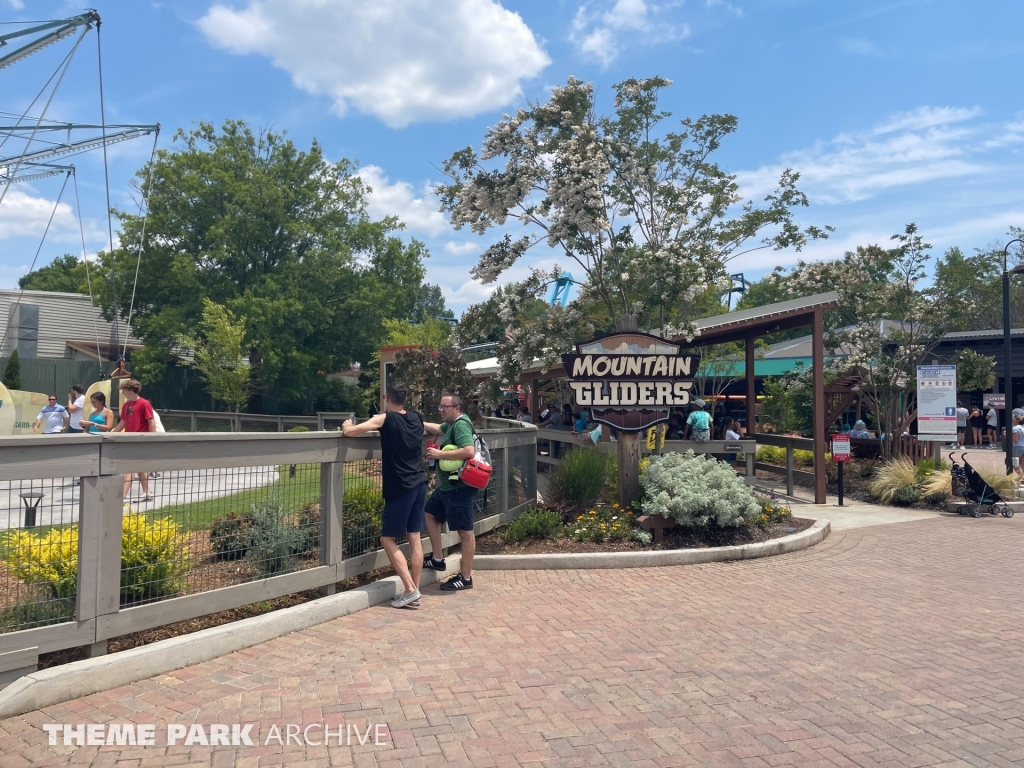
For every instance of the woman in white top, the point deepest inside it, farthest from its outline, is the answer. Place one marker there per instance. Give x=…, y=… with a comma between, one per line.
x=732, y=432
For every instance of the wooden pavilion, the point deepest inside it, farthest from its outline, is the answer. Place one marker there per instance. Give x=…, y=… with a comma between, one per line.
x=747, y=326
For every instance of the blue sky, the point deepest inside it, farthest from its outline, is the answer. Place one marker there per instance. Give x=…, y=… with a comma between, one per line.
x=893, y=111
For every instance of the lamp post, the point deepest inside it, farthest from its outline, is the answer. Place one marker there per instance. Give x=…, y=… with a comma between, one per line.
x=1007, y=353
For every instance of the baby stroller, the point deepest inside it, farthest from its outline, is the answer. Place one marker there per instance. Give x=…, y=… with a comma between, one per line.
x=979, y=496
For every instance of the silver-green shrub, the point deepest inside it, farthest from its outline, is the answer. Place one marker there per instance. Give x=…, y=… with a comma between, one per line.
x=697, y=490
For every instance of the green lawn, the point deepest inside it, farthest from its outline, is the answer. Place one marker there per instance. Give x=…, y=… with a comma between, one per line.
x=293, y=493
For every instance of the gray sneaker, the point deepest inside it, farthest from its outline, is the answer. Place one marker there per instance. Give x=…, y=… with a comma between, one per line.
x=407, y=600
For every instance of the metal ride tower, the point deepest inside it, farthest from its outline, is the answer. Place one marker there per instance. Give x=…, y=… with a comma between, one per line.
x=29, y=142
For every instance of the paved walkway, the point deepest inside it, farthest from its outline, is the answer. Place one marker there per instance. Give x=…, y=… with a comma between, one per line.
x=895, y=645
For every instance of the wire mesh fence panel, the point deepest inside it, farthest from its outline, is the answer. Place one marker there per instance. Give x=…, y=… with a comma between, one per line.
x=176, y=423
x=363, y=504
x=488, y=500
x=259, y=425
x=38, y=552
x=203, y=529
x=522, y=474
x=214, y=425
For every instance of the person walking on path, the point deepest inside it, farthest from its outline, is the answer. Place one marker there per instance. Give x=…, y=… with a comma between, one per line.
x=404, y=486
x=136, y=416
x=992, y=420
x=102, y=418
x=452, y=500
x=961, y=425
x=1018, y=445
x=76, y=408
x=54, y=417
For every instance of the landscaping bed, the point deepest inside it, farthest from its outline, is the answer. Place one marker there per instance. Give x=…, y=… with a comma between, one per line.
x=136, y=639
x=675, y=538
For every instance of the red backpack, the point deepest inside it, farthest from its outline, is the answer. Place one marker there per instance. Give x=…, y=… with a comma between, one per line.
x=476, y=472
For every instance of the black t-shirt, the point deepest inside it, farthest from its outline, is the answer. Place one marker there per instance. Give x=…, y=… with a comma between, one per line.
x=978, y=422
x=401, y=443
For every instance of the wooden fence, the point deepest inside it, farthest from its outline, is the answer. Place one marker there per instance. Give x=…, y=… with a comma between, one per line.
x=225, y=421
x=81, y=478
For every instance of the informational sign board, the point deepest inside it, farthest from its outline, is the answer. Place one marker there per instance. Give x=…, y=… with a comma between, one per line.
x=936, y=402
x=656, y=437
x=630, y=380
x=997, y=401
x=840, y=447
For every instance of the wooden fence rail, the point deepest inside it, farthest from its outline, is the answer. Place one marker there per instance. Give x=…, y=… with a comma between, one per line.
x=237, y=422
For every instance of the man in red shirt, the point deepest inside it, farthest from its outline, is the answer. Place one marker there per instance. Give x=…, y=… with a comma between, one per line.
x=136, y=416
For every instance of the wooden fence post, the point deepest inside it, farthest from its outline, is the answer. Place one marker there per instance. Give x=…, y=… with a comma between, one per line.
x=332, y=495
x=100, y=515
x=789, y=469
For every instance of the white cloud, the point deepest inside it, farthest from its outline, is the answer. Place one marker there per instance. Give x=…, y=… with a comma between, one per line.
x=911, y=148
x=927, y=117
x=1013, y=133
x=462, y=249
x=23, y=215
x=401, y=60
x=420, y=214
x=469, y=292
x=734, y=9
x=16, y=4
x=597, y=33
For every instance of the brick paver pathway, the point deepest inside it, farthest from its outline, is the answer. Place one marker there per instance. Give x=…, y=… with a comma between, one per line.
x=898, y=645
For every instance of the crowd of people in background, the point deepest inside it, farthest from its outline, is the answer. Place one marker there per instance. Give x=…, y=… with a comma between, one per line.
x=137, y=415
x=696, y=422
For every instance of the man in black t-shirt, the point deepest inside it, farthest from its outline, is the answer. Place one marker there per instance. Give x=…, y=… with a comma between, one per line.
x=404, y=486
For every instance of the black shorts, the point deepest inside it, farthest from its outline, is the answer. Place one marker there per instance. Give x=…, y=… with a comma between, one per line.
x=454, y=507
x=404, y=514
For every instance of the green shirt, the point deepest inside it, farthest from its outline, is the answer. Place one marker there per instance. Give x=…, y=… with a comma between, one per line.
x=700, y=421
x=460, y=434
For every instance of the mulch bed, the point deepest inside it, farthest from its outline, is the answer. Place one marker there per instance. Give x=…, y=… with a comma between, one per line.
x=677, y=538
x=136, y=639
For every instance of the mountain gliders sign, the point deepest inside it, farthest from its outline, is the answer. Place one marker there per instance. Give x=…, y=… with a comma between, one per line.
x=630, y=380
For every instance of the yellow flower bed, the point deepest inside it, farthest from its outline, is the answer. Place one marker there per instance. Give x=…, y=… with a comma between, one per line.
x=153, y=557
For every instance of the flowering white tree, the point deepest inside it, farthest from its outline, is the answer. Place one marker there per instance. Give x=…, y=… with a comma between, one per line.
x=645, y=214
x=887, y=322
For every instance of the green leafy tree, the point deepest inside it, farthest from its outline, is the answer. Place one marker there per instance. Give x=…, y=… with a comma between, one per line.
x=974, y=372
x=972, y=286
x=274, y=234
x=430, y=304
x=12, y=371
x=428, y=333
x=429, y=374
x=65, y=274
x=787, y=407
x=219, y=355
x=643, y=215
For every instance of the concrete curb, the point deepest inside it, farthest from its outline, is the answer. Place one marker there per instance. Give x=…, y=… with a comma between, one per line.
x=793, y=543
x=82, y=678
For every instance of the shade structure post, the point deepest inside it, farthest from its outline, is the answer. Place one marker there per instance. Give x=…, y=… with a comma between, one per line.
x=818, y=366
x=751, y=393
